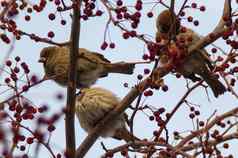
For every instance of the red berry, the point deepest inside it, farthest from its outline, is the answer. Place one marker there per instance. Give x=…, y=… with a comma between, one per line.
x=22, y=147
x=165, y=88
x=150, y=14
x=139, y=77
x=51, y=128
x=17, y=58
x=214, y=50
x=57, y=2
x=7, y=80
x=98, y=12
x=126, y=35
x=190, y=19
x=63, y=22
x=51, y=16
x=202, y=8
x=16, y=69
x=51, y=34
x=42, y=109
x=29, y=140
x=27, y=18
x=235, y=69
x=191, y=115
x=125, y=84
x=25, y=88
x=146, y=71
x=151, y=118
x=119, y=3
x=194, y=5
x=112, y=45
x=104, y=45
x=8, y=63
x=196, y=22
x=145, y=57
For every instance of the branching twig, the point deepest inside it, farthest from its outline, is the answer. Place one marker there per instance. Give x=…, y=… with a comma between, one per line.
x=207, y=127
x=211, y=142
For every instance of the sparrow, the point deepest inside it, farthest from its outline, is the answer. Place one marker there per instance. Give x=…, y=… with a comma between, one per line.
x=90, y=66
x=195, y=66
x=93, y=104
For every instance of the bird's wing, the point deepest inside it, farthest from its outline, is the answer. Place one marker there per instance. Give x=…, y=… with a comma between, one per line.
x=93, y=56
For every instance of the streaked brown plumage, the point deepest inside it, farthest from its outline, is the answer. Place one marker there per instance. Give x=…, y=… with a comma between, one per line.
x=90, y=67
x=196, y=63
x=92, y=105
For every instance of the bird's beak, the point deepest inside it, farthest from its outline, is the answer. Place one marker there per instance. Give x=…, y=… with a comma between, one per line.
x=42, y=60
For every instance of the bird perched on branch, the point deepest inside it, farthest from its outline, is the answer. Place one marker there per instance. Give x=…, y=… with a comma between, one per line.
x=178, y=39
x=92, y=105
x=90, y=66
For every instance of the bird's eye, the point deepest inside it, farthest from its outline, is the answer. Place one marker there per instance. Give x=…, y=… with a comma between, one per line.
x=164, y=28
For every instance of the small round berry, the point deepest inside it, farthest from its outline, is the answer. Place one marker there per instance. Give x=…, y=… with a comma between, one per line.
x=27, y=18
x=126, y=35
x=202, y=8
x=51, y=34
x=104, y=45
x=99, y=12
x=190, y=19
x=146, y=71
x=194, y=5
x=29, y=140
x=22, y=147
x=125, y=84
x=191, y=115
x=165, y=88
x=16, y=69
x=8, y=63
x=17, y=58
x=51, y=16
x=214, y=50
x=150, y=14
x=119, y=3
x=145, y=56
x=51, y=128
x=139, y=77
x=151, y=118
x=63, y=22
x=196, y=22
x=201, y=123
x=7, y=80
x=112, y=45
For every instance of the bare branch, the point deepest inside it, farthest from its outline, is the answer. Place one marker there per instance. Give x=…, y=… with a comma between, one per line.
x=211, y=142
x=71, y=90
x=213, y=122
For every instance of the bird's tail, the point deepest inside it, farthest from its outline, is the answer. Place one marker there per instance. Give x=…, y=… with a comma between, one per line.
x=217, y=87
x=123, y=133
x=122, y=67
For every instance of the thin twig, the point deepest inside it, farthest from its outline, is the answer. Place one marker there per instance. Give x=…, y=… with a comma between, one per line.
x=207, y=127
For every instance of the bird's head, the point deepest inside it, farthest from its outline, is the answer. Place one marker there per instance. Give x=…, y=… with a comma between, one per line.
x=46, y=53
x=167, y=24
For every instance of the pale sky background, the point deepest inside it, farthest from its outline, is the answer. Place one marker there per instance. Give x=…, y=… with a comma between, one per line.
x=131, y=50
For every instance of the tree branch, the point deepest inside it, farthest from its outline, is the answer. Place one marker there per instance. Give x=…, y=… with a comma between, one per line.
x=211, y=142
x=71, y=90
x=217, y=119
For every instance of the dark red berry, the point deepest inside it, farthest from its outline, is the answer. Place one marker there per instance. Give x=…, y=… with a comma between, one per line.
x=8, y=63
x=150, y=14
x=51, y=16
x=51, y=34
x=112, y=45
